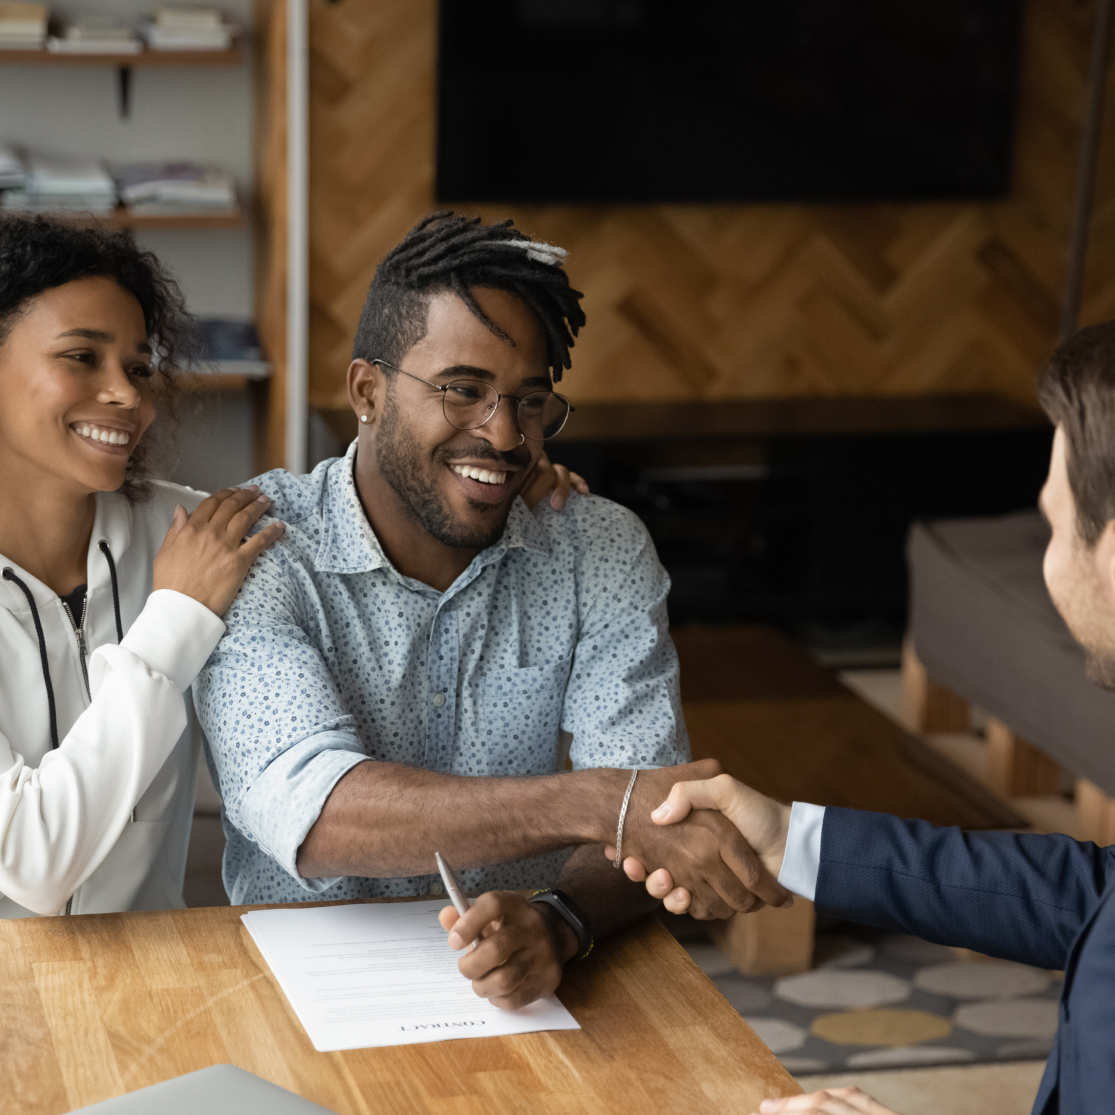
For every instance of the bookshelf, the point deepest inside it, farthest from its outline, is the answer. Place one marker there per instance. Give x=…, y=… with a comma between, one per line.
x=234, y=56
x=197, y=105
x=122, y=218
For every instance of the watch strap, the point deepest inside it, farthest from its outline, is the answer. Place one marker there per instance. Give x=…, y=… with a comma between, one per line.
x=571, y=914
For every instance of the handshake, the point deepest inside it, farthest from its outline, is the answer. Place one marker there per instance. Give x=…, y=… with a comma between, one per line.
x=703, y=843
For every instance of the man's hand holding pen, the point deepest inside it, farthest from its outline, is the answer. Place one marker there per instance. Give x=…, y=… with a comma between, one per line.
x=518, y=954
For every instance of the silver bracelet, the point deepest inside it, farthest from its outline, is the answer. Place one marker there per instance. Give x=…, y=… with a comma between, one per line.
x=618, y=865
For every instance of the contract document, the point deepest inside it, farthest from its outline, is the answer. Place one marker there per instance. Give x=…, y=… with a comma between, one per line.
x=382, y=973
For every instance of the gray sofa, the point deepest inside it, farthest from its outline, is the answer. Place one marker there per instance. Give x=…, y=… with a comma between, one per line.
x=983, y=626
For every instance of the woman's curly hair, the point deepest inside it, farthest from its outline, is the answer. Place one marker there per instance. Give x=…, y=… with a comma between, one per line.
x=40, y=253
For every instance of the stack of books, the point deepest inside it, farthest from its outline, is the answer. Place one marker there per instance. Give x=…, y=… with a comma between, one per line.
x=12, y=173
x=62, y=184
x=95, y=34
x=173, y=188
x=22, y=26
x=230, y=346
x=188, y=29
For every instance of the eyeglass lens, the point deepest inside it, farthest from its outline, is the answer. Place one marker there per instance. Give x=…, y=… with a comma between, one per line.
x=470, y=403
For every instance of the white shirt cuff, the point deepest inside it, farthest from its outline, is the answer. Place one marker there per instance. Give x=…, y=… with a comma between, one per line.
x=801, y=861
x=174, y=635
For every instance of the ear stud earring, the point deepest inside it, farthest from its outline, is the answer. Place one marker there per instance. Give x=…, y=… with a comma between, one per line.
x=363, y=418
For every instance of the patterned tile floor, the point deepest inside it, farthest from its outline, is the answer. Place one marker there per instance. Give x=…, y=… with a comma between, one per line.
x=875, y=1000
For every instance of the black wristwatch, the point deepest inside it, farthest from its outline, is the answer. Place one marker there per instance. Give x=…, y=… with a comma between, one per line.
x=571, y=914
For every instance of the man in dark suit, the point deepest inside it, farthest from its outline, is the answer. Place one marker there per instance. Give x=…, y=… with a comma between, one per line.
x=1043, y=900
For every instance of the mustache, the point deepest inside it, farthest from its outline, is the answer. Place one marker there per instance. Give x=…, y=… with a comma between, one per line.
x=519, y=457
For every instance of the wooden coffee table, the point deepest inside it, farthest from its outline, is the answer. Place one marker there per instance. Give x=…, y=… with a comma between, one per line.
x=782, y=723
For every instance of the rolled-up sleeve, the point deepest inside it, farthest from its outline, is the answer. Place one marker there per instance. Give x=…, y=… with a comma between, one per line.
x=278, y=735
x=623, y=699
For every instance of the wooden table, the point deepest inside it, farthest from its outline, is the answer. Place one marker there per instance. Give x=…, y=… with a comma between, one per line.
x=94, y=1006
x=777, y=720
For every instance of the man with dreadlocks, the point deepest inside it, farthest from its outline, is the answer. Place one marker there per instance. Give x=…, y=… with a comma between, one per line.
x=399, y=673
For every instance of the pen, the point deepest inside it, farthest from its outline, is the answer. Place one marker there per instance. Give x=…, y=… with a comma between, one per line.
x=453, y=888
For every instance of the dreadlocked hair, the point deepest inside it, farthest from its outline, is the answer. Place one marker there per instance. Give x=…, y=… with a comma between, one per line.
x=446, y=251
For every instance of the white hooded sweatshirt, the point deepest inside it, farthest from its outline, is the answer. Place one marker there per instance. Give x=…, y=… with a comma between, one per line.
x=98, y=744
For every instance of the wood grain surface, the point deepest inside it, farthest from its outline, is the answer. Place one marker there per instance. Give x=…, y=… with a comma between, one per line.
x=728, y=301
x=774, y=718
x=96, y=1006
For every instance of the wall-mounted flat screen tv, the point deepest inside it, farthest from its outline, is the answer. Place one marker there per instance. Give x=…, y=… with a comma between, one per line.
x=653, y=101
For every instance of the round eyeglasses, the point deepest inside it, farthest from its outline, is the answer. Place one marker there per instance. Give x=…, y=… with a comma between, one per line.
x=469, y=403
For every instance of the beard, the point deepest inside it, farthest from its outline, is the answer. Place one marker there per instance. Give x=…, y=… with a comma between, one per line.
x=400, y=463
x=1078, y=597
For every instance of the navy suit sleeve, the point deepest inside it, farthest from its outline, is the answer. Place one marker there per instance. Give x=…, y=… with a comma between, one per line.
x=1022, y=897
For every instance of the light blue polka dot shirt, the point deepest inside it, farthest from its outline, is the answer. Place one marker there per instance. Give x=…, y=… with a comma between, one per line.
x=333, y=658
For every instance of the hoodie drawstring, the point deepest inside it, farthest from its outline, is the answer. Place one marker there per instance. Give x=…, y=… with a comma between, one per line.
x=9, y=575
x=103, y=547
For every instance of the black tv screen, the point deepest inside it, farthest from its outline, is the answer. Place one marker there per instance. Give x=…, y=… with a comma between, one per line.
x=655, y=101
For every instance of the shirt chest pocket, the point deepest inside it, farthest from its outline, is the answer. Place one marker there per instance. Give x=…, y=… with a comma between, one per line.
x=516, y=717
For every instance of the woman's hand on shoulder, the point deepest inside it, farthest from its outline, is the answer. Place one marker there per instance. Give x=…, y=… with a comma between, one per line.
x=206, y=554
x=555, y=481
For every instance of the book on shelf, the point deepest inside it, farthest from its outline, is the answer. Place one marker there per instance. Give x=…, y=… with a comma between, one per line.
x=188, y=17
x=231, y=346
x=94, y=25
x=23, y=201
x=62, y=183
x=65, y=184
x=175, y=187
x=158, y=38
x=188, y=29
x=94, y=34
x=57, y=45
x=12, y=171
x=68, y=174
x=22, y=26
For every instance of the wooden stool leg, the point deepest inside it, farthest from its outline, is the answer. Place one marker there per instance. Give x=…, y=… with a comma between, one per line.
x=1095, y=812
x=929, y=707
x=768, y=941
x=1016, y=768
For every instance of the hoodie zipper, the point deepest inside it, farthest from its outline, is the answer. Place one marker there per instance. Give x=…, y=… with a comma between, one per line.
x=79, y=634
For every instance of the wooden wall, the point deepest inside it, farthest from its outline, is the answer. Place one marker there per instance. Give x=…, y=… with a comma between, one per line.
x=731, y=300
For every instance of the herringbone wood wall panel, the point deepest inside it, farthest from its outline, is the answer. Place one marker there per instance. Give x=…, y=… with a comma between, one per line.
x=732, y=300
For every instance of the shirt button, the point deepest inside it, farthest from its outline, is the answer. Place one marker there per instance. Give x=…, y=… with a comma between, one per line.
x=437, y=889
x=439, y=699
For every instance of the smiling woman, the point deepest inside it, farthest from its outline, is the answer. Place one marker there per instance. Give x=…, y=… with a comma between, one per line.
x=111, y=585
